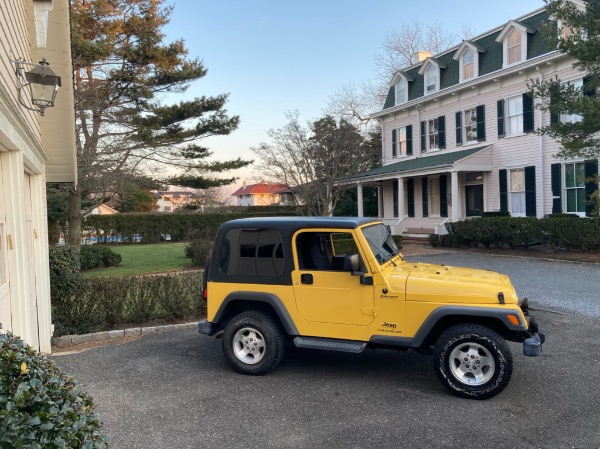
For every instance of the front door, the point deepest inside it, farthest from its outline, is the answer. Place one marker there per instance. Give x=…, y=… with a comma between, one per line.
x=474, y=200
x=324, y=292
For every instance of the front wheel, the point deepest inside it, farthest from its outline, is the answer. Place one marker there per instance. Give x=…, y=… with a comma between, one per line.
x=253, y=343
x=473, y=361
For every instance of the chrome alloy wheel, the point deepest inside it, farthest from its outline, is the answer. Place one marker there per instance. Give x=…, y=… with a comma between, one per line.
x=249, y=345
x=471, y=364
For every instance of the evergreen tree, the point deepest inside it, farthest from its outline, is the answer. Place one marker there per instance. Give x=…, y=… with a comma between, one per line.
x=577, y=35
x=122, y=71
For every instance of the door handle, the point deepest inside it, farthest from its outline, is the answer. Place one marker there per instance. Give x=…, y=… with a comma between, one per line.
x=306, y=278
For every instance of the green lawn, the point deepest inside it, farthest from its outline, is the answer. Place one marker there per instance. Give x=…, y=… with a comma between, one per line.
x=144, y=259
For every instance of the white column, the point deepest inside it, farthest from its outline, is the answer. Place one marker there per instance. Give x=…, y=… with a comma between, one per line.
x=455, y=197
x=380, y=201
x=359, y=200
x=401, y=205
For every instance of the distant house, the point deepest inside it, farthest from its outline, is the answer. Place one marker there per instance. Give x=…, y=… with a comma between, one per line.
x=263, y=194
x=170, y=201
x=103, y=209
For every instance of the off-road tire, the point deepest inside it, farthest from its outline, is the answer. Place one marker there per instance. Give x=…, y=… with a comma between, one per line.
x=473, y=361
x=253, y=343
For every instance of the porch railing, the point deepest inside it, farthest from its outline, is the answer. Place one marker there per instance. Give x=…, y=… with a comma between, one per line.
x=440, y=228
x=397, y=226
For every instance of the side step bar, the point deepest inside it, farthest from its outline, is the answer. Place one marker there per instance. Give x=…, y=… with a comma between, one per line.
x=330, y=344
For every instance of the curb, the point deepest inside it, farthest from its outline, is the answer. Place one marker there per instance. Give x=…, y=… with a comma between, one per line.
x=70, y=340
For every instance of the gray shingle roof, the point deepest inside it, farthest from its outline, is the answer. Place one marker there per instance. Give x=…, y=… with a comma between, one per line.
x=419, y=163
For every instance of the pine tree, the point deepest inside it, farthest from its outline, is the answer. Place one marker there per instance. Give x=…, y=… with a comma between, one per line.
x=122, y=71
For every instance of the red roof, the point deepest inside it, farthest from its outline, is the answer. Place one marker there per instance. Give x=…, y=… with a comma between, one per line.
x=257, y=189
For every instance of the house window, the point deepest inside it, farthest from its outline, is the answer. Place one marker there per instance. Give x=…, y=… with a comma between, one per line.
x=434, y=196
x=401, y=144
x=517, y=192
x=575, y=188
x=572, y=118
x=431, y=79
x=514, y=115
x=433, y=134
x=513, y=47
x=468, y=65
x=401, y=91
x=470, y=127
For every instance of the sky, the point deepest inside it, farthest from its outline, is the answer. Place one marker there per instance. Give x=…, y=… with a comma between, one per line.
x=277, y=56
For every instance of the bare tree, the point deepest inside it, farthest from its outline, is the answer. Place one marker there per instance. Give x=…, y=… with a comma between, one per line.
x=400, y=48
x=312, y=159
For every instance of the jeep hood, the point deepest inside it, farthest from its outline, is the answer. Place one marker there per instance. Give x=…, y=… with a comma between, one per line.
x=445, y=284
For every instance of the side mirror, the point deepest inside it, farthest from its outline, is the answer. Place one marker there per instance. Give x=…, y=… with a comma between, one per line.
x=351, y=262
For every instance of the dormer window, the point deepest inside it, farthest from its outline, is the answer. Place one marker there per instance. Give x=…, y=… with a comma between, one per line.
x=468, y=65
x=514, y=42
x=401, y=91
x=468, y=57
x=431, y=75
x=513, y=47
x=431, y=79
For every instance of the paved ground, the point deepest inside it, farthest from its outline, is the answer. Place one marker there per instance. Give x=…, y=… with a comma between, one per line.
x=174, y=390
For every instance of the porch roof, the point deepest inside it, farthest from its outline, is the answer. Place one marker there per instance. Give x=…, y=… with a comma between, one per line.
x=425, y=164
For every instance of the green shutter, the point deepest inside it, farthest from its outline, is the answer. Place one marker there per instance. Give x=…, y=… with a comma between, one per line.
x=481, y=123
x=423, y=148
x=588, y=92
x=443, y=195
x=527, y=113
x=503, y=191
x=410, y=191
x=395, y=197
x=442, y=132
x=500, y=109
x=530, y=196
x=555, y=172
x=554, y=118
x=424, y=197
x=591, y=173
x=409, y=141
x=458, y=128
x=394, y=143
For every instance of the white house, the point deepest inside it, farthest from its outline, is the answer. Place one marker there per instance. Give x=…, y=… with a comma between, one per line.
x=34, y=149
x=458, y=131
x=263, y=194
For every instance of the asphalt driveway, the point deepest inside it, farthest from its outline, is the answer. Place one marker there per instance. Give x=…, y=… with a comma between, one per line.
x=175, y=390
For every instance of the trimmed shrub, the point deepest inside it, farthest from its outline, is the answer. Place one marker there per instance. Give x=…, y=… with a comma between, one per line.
x=94, y=256
x=64, y=270
x=199, y=251
x=560, y=231
x=103, y=304
x=41, y=407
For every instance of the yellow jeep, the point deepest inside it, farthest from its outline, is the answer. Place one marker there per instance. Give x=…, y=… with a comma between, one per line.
x=341, y=284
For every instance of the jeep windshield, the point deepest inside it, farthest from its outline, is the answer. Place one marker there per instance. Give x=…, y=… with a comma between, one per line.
x=381, y=242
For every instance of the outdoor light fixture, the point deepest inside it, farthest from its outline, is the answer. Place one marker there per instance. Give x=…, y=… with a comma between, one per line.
x=41, y=82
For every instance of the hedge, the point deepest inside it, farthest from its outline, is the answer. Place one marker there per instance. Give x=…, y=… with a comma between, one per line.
x=560, y=232
x=154, y=227
x=94, y=256
x=40, y=406
x=103, y=304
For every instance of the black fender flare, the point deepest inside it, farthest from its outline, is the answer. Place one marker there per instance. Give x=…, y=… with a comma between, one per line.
x=462, y=311
x=267, y=298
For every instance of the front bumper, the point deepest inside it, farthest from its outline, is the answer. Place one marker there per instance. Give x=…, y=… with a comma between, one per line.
x=532, y=346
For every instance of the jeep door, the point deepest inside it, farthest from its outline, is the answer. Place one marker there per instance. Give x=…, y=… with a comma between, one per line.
x=326, y=291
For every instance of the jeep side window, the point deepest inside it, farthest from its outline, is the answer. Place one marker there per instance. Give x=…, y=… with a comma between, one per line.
x=252, y=252
x=324, y=251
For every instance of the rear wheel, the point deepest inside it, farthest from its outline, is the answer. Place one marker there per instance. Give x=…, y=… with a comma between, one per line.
x=473, y=361
x=253, y=343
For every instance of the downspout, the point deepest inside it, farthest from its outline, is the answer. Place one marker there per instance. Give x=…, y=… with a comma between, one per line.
x=541, y=140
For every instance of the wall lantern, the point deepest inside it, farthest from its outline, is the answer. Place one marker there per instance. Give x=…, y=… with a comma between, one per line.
x=41, y=82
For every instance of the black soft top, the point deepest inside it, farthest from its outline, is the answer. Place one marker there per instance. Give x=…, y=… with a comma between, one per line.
x=289, y=225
